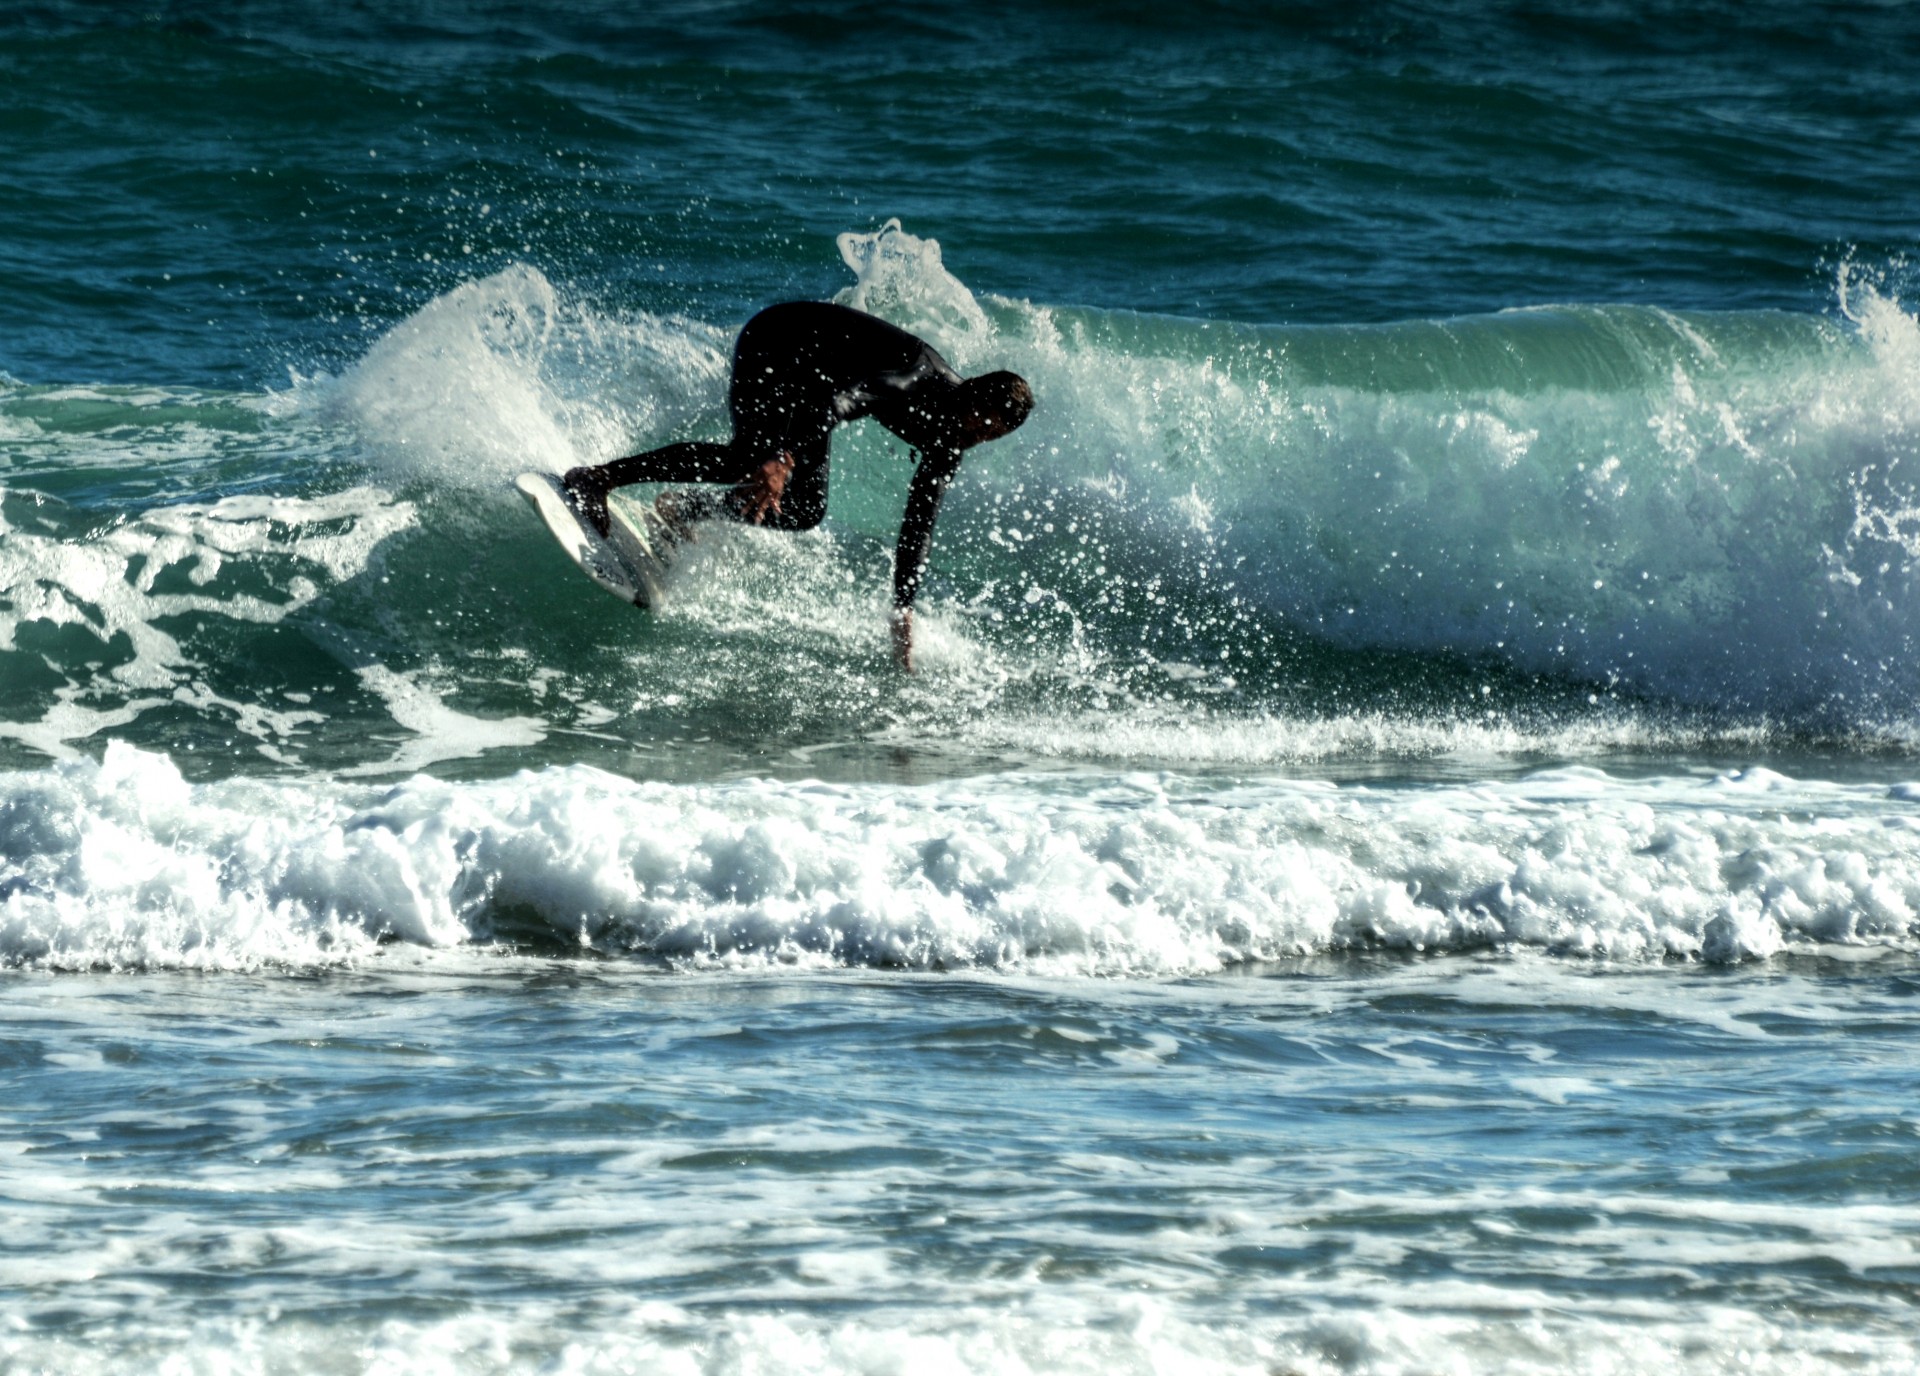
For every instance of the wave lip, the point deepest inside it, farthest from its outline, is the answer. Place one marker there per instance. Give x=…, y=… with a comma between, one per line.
x=1715, y=509
x=124, y=863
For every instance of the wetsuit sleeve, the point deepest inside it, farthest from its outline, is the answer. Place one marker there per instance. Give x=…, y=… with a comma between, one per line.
x=930, y=481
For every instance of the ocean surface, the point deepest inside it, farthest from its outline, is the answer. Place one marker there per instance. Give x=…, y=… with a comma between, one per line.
x=1402, y=854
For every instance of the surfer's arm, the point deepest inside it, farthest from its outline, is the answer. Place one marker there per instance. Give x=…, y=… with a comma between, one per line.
x=930, y=482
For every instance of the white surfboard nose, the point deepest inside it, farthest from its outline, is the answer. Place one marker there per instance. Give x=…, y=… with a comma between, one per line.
x=627, y=564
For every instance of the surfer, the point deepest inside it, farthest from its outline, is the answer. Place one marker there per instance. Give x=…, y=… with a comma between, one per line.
x=799, y=369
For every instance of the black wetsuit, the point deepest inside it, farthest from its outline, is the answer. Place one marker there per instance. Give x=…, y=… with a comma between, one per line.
x=799, y=369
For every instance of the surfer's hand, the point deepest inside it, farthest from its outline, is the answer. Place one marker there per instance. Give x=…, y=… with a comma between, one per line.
x=902, y=628
x=766, y=487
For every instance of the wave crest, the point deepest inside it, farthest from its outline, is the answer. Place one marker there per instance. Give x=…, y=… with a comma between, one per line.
x=125, y=863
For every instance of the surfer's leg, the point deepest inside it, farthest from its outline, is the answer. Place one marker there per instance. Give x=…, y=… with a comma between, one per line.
x=692, y=461
x=680, y=507
x=803, y=505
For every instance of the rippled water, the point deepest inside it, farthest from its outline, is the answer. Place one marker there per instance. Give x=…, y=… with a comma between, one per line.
x=1377, y=1164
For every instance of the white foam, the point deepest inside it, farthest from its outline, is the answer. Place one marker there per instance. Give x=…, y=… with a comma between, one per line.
x=502, y=374
x=126, y=863
x=142, y=432
x=1174, y=736
x=1144, y=1334
x=439, y=732
x=105, y=585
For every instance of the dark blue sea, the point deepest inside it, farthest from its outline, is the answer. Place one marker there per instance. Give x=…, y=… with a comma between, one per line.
x=1401, y=856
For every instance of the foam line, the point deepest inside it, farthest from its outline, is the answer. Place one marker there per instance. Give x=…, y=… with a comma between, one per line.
x=126, y=863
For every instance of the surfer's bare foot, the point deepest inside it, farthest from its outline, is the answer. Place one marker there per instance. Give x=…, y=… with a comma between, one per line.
x=588, y=493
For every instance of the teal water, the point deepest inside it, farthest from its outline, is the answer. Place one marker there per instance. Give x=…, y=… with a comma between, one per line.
x=1360, y=1164
x=1401, y=854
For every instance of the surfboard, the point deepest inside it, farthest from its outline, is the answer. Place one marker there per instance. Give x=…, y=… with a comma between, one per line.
x=630, y=562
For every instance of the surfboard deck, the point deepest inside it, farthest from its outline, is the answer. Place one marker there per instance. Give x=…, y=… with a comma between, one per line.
x=630, y=562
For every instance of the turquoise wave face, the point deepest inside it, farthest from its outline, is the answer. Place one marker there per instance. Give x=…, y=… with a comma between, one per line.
x=1555, y=531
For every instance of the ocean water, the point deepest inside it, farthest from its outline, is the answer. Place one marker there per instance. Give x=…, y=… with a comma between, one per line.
x=1402, y=854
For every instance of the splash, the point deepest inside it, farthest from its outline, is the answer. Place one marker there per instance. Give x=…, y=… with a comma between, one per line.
x=901, y=277
x=502, y=375
x=127, y=863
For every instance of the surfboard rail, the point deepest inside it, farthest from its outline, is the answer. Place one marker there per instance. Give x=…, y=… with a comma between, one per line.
x=630, y=561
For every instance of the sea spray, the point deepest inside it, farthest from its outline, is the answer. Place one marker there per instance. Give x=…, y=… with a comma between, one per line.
x=125, y=863
x=1704, y=509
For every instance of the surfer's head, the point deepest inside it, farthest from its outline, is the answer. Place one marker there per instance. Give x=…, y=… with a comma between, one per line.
x=991, y=405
